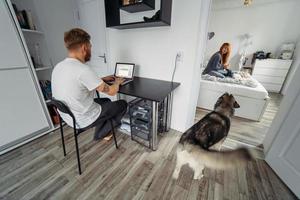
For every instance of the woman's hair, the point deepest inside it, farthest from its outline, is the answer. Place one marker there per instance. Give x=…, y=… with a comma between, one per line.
x=225, y=56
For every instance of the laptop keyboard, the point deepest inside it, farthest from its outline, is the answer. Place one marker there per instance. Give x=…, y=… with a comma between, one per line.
x=126, y=80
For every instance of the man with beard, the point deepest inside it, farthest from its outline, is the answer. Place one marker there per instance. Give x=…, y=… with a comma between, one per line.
x=75, y=84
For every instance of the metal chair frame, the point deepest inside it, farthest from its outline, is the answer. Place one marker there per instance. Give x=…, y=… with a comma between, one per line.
x=63, y=108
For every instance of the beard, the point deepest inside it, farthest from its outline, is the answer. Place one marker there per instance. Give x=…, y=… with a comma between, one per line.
x=88, y=56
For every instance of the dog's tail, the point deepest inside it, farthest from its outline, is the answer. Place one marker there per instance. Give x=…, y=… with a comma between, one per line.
x=218, y=159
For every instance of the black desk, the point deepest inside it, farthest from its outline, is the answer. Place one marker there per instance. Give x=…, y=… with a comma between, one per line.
x=155, y=91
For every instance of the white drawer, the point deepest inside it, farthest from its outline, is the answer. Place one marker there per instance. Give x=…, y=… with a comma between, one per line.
x=273, y=63
x=269, y=79
x=270, y=72
x=272, y=87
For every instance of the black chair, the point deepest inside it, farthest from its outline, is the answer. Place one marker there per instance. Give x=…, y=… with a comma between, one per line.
x=65, y=109
x=98, y=95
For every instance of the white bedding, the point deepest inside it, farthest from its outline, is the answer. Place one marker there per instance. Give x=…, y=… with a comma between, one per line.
x=259, y=92
x=239, y=78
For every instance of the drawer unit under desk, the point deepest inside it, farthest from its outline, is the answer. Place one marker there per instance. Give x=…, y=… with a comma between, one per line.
x=140, y=111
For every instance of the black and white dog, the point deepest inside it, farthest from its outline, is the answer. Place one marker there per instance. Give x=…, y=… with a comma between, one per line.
x=211, y=130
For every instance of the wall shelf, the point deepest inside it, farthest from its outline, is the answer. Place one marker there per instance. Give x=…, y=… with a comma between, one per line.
x=140, y=25
x=112, y=13
x=32, y=31
x=139, y=7
x=42, y=68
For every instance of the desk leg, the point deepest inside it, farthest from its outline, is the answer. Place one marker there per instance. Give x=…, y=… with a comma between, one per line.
x=165, y=117
x=169, y=111
x=154, y=141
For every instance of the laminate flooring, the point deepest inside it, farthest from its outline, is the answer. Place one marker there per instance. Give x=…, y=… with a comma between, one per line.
x=249, y=133
x=38, y=170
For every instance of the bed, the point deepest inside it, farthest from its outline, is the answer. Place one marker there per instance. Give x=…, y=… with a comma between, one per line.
x=253, y=100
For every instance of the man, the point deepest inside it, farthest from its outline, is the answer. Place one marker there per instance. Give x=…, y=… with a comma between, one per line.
x=75, y=84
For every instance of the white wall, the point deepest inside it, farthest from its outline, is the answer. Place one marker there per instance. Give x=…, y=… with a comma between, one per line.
x=271, y=22
x=56, y=17
x=154, y=51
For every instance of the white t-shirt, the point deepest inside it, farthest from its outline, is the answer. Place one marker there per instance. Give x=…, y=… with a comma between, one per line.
x=74, y=83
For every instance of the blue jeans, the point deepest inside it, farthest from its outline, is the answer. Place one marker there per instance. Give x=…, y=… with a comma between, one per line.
x=221, y=73
x=110, y=110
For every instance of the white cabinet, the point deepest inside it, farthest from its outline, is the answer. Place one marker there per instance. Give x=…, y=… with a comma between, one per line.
x=271, y=73
x=23, y=112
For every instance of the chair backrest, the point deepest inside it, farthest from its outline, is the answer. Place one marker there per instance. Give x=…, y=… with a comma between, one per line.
x=61, y=107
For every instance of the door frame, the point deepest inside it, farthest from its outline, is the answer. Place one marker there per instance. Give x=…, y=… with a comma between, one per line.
x=286, y=105
x=205, y=12
x=286, y=132
x=287, y=100
x=106, y=35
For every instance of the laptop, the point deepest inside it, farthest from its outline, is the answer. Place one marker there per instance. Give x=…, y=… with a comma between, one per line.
x=125, y=71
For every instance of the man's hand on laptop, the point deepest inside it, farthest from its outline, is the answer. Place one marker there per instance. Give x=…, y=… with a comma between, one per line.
x=108, y=78
x=110, y=89
x=119, y=81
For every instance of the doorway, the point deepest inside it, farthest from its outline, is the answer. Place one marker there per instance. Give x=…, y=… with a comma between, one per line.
x=237, y=24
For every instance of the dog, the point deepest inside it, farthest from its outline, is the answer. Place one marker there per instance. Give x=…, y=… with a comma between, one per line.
x=195, y=144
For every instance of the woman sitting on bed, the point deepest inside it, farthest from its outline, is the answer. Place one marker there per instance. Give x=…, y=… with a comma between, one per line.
x=218, y=63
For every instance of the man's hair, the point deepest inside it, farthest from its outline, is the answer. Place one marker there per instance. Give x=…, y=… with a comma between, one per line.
x=76, y=37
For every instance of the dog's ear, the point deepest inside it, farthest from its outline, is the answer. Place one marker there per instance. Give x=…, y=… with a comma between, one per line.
x=219, y=101
x=225, y=94
x=222, y=98
x=236, y=105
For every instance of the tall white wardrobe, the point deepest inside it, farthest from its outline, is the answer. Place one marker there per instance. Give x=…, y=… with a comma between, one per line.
x=23, y=110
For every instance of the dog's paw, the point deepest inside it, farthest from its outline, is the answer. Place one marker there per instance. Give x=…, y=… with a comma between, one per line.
x=198, y=177
x=175, y=174
x=198, y=174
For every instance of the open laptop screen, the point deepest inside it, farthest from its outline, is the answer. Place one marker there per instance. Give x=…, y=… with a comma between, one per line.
x=124, y=70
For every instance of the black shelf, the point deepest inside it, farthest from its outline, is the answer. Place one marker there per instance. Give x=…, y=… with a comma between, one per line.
x=140, y=25
x=112, y=13
x=139, y=7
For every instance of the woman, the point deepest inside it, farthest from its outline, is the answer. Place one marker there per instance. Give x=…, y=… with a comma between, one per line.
x=218, y=63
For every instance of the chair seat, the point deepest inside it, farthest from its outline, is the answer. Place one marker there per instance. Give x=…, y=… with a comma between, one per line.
x=99, y=121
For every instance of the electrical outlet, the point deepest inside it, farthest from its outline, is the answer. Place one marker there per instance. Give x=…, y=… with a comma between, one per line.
x=179, y=56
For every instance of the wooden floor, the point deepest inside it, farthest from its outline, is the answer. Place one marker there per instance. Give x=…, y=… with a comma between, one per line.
x=38, y=170
x=249, y=133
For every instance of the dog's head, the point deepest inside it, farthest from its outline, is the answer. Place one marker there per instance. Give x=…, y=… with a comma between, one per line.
x=226, y=102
